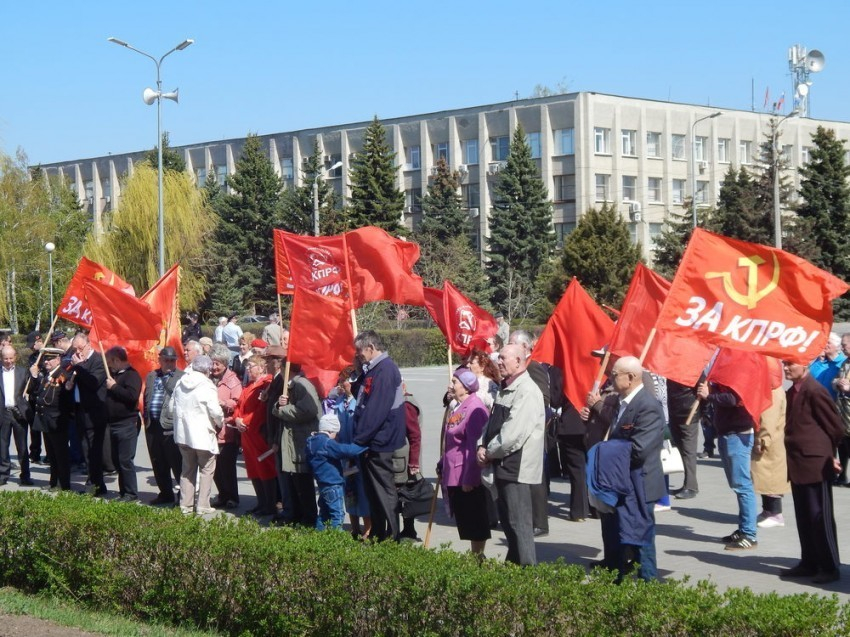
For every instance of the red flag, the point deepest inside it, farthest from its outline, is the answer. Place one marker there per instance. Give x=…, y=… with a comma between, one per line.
x=748, y=296
x=577, y=327
x=322, y=336
x=747, y=374
x=381, y=268
x=285, y=284
x=73, y=306
x=120, y=319
x=463, y=323
x=163, y=299
x=323, y=379
x=314, y=263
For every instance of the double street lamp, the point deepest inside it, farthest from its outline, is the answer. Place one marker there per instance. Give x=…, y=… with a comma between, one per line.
x=319, y=173
x=777, y=213
x=694, y=161
x=149, y=96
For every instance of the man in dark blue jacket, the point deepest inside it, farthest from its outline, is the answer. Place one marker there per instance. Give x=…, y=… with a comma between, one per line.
x=379, y=426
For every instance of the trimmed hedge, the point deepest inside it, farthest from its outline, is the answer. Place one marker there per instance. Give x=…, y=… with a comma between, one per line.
x=416, y=347
x=233, y=576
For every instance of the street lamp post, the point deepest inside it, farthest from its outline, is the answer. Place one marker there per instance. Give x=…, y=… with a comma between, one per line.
x=694, y=162
x=50, y=247
x=777, y=213
x=149, y=96
x=316, y=195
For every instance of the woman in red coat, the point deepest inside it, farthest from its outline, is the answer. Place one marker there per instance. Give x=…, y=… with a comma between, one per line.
x=250, y=418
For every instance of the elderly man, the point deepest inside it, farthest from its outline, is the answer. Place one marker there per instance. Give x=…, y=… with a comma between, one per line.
x=512, y=443
x=231, y=333
x=218, y=334
x=191, y=350
x=14, y=415
x=89, y=389
x=379, y=425
x=123, y=388
x=813, y=428
x=159, y=423
x=825, y=367
x=229, y=388
x=275, y=357
x=46, y=385
x=638, y=419
x=504, y=328
x=272, y=332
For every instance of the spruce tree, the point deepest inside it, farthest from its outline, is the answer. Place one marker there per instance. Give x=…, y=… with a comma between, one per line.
x=741, y=212
x=375, y=198
x=443, y=216
x=297, y=203
x=601, y=254
x=521, y=237
x=826, y=206
x=670, y=244
x=171, y=159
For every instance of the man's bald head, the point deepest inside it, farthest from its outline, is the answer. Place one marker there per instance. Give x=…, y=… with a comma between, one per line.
x=512, y=361
x=8, y=356
x=626, y=375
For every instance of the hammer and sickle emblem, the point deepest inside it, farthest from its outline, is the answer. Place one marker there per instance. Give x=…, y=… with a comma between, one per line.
x=99, y=276
x=753, y=295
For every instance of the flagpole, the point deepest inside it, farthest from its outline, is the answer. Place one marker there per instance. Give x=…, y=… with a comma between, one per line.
x=348, y=282
x=279, y=310
x=647, y=345
x=103, y=356
x=701, y=380
x=602, y=368
x=427, y=541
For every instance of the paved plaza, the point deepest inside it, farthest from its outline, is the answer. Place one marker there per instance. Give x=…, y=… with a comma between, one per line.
x=688, y=536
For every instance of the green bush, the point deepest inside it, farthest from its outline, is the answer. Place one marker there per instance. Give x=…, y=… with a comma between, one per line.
x=238, y=578
x=417, y=347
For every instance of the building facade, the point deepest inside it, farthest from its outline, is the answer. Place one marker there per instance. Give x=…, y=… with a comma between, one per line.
x=647, y=157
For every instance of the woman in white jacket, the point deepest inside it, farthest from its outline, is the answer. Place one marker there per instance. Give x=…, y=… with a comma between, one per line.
x=197, y=418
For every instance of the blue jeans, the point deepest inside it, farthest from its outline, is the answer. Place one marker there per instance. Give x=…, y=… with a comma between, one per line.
x=331, y=510
x=735, y=452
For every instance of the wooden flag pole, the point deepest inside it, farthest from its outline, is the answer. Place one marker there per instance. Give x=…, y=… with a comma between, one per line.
x=279, y=311
x=105, y=366
x=598, y=382
x=701, y=380
x=647, y=345
x=427, y=541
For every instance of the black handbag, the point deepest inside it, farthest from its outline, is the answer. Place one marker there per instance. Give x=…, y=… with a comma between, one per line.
x=414, y=497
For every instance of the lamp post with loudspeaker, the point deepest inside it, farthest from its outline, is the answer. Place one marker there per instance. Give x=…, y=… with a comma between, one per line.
x=316, y=195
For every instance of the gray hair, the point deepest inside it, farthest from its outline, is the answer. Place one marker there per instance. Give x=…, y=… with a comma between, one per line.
x=370, y=338
x=834, y=339
x=521, y=337
x=202, y=364
x=194, y=345
x=222, y=320
x=221, y=354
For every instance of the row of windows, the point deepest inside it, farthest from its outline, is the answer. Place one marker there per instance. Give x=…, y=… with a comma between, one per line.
x=654, y=189
x=654, y=148
x=565, y=228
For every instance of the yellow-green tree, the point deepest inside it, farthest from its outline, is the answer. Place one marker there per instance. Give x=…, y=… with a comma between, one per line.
x=130, y=242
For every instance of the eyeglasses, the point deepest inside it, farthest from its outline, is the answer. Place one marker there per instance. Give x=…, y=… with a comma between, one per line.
x=614, y=374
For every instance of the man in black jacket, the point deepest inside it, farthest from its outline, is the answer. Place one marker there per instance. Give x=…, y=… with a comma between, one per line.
x=47, y=389
x=123, y=388
x=88, y=386
x=14, y=415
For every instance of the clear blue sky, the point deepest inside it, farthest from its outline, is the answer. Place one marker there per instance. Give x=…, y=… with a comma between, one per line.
x=281, y=65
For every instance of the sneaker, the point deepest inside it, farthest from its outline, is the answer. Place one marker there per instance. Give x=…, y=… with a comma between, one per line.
x=660, y=508
x=742, y=544
x=186, y=510
x=771, y=521
x=734, y=537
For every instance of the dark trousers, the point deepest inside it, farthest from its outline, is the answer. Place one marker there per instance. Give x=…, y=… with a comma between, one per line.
x=107, y=455
x=299, y=506
x=165, y=458
x=58, y=455
x=816, y=526
x=124, y=436
x=843, y=456
x=75, y=446
x=686, y=439
x=35, y=445
x=540, y=504
x=621, y=557
x=515, y=514
x=382, y=494
x=92, y=431
x=9, y=428
x=225, y=472
x=573, y=463
x=266, y=491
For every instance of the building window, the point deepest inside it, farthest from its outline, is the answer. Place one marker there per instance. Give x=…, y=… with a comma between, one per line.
x=413, y=200
x=336, y=172
x=723, y=146
x=787, y=153
x=221, y=176
x=804, y=154
x=629, y=138
x=653, y=189
x=413, y=156
x=701, y=148
x=470, y=148
x=441, y=151
x=565, y=189
x=89, y=185
x=201, y=177
x=678, y=190
x=653, y=144
x=533, y=140
x=601, y=141
x=629, y=188
x=603, y=187
x=562, y=230
x=745, y=152
x=565, y=141
x=655, y=231
x=702, y=192
x=678, y=146
x=471, y=195
x=500, y=147
x=287, y=171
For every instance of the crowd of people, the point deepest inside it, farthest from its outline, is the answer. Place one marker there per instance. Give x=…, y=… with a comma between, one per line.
x=507, y=430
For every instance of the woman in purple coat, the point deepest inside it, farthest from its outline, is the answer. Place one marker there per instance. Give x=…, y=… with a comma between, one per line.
x=461, y=475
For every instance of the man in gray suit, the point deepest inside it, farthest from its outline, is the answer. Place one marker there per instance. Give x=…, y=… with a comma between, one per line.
x=14, y=416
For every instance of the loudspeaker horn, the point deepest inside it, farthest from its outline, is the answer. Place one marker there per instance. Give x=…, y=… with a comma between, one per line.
x=173, y=95
x=149, y=96
x=815, y=61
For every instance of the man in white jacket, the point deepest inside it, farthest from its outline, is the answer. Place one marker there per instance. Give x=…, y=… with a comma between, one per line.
x=197, y=418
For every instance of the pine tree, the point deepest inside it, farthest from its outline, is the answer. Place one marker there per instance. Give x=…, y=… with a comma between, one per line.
x=521, y=237
x=741, y=212
x=297, y=203
x=826, y=206
x=670, y=244
x=171, y=159
x=443, y=216
x=244, y=245
x=601, y=254
x=375, y=198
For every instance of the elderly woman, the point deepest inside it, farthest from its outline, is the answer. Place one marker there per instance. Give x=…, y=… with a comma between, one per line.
x=250, y=419
x=229, y=389
x=197, y=418
x=461, y=475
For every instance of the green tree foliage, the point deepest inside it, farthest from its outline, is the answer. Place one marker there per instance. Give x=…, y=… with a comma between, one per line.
x=443, y=216
x=670, y=244
x=741, y=212
x=171, y=159
x=375, y=198
x=130, y=242
x=244, y=250
x=521, y=236
x=297, y=203
x=601, y=254
x=826, y=207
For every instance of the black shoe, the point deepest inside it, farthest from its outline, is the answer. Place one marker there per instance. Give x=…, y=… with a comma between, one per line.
x=538, y=532
x=686, y=494
x=27, y=482
x=797, y=571
x=826, y=577
x=128, y=498
x=161, y=499
x=734, y=537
